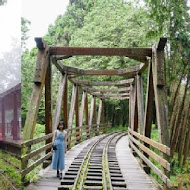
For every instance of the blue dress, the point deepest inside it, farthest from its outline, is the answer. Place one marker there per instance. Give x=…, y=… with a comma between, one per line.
x=58, y=160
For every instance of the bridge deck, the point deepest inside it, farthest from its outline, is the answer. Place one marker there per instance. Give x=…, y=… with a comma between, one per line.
x=135, y=177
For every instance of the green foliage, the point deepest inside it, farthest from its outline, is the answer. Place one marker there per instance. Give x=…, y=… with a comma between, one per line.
x=116, y=128
x=24, y=30
x=9, y=171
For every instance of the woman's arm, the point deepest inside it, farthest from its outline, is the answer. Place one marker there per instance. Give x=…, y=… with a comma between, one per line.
x=53, y=139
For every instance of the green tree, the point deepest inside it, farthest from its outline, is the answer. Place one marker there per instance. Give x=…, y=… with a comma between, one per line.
x=24, y=32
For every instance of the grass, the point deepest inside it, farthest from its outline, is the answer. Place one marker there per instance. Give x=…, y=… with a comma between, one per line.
x=116, y=128
x=11, y=175
x=180, y=175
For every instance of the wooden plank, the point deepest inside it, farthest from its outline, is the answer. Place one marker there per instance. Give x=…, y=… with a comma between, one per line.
x=82, y=108
x=134, y=52
x=162, y=176
x=129, y=72
x=35, y=164
x=65, y=103
x=71, y=113
x=99, y=115
x=103, y=116
x=36, y=140
x=40, y=44
x=152, y=154
x=92, y=110
x=106, y=90
x=36, y=152
x=134, y=114
x=113, y=97
x=48, y=105
x=86, y=115
x=163, y=148
x=161, y=102
x=161, y=44
x=148, y=107
x=77, y=111
x=149, y=103
x=102, y=83
x=140, y=103
x=59, y=101
x=110, y=95
x=30, y=123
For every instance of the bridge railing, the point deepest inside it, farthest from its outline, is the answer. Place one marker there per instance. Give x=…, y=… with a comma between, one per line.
x=141, y=145
x=33, y=155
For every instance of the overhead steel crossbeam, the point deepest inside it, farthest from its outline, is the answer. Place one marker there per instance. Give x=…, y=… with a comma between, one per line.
x=128, y=72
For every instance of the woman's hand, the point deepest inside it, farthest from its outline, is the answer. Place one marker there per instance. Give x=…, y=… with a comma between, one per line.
x=52, y=149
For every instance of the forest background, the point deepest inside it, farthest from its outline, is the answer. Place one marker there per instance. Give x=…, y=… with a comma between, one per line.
x=119, y=23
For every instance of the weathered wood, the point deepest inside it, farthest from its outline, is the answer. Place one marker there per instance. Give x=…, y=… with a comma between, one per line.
x=99, y=115
x=35, y=164
x=30, y=123
x=59, y=101
x=129, y=72
x=91, y=110
x=103, y=83
x=134, y=52
x=48, y=111
x=36, y=152
x=106, y=90
x=152, y=154
x=86, y=115
x=58, y=66
x=94, y=120
x=140, y=103
x=77, y=112
x=82, y=108
x=134, y=114
x=160, y=101
x=161, y=44
x=40, y=44
x=36, y=140
x=163, y=148
x=148, y=107
x=110, y=95
x=65, y=103
x=72, y=107
x=162, y=176
x=149, y=103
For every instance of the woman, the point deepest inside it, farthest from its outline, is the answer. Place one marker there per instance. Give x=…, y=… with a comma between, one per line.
x=58, y=161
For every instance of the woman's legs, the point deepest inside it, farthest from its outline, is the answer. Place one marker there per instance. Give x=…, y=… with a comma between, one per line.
x=60, y=174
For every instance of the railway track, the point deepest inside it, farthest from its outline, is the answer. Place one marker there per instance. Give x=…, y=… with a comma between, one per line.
x=96, y=167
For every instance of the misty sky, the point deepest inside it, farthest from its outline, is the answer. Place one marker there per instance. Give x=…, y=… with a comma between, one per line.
x=10, y=46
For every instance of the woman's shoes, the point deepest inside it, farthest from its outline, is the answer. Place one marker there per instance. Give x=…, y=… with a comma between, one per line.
x=60, y=176
x=57, y=173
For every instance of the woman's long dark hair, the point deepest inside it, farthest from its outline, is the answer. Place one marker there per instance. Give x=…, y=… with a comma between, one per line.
x=61, y=123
